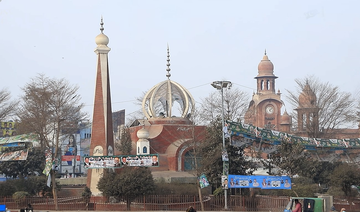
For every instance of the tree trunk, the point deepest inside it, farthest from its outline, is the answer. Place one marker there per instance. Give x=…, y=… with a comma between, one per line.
x=128, y=203
x=54, y=190
x=200, y=197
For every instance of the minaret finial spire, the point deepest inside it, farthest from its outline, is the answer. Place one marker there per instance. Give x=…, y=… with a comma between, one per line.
x=265, y=51
x=101, y=25
x=168, y=63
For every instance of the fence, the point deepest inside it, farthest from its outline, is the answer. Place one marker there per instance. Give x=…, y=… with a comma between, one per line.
x=153, y=203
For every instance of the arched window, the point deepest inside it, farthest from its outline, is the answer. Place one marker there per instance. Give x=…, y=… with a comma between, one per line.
x=144, y=149
x=189, y=160
x=262, y=85
x=138, y=149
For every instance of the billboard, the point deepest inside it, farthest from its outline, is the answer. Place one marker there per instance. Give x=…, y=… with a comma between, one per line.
x=99, y=162
x=7, y=129
x=15, y=155
x=259, y=181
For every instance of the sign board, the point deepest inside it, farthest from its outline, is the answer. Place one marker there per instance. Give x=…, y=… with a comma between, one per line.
x=99, y=162
x=259, y=181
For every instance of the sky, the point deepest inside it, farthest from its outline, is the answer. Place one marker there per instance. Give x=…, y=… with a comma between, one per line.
x=209, y=40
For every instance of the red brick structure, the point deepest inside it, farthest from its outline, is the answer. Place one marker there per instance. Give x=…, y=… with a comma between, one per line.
x=265, y=107
x=173, y=139
x=170, y=133
x=102, y=139
x=265, y=112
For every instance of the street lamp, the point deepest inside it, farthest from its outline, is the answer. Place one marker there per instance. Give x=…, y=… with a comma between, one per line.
x=220, y=85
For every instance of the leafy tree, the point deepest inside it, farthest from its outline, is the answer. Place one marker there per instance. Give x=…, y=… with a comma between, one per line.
x=345, y=175
x=319, y=171
x=32, y=185
x=32, y=166
x=86, y=195
x=49, y=108
x=7, y=107
x=290, y=158
x=130, y=183
x=211, y=152
x=335, y=108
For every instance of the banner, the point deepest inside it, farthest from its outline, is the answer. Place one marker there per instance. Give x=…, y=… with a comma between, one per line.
x=276, y=137
x=98, y=162
x=15, y=155
x=259, y=181
x=203, y=181
x=48, y=162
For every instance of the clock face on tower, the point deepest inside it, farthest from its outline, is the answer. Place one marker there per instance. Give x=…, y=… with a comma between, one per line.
x=269, y=109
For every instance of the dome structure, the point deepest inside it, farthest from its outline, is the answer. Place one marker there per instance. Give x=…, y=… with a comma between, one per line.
x=167, y=98
x=102, y=39
x=307, y=98
x=265, y=67
x=285, y=118
x=143, y=133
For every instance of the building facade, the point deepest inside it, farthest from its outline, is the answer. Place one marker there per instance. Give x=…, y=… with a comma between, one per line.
x=266, y=104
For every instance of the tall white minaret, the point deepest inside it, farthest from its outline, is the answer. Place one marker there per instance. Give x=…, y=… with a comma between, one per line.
x=102, y=139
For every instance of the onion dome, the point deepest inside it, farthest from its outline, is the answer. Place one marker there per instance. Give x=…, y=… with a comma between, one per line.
x=102, y=39
x=143, y=133
x=265, y=67
x=307, y=98
x=167, y=97
x=285, y=118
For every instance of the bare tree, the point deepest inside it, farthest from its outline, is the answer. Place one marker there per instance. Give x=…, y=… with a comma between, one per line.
x=50, y=108
x=235, y=105
x=125, y=144
x=332, y=108
x=7, y=107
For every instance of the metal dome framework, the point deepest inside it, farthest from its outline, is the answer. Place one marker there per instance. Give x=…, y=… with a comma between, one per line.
x=160, y=100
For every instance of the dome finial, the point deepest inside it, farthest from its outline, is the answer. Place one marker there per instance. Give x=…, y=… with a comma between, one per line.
x=265, y=51
x=101, y=25
x=168, y=63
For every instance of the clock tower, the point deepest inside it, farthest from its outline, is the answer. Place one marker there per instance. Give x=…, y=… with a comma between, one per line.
x=265, y=107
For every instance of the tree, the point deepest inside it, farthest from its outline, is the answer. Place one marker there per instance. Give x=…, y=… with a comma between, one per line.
x=290, y=158
x=345, y=175
x=335, y=108
x=318, y=171
x=50, y=108
x=125, y=145
x=130, y=183
x=7, y=107
x=235, y=105
x=33, y=185
x=32, y=166
x=211, y=154
x=86, y=195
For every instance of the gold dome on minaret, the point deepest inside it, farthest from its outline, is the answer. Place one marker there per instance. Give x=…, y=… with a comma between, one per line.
x=102, y=39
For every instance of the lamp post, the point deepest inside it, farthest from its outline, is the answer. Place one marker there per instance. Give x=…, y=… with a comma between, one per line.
x=220, y=85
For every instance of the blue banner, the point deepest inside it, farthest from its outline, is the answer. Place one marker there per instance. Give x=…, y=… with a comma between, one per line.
x=259, y=181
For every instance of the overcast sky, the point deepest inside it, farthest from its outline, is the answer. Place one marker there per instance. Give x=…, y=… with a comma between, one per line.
x=209, y=40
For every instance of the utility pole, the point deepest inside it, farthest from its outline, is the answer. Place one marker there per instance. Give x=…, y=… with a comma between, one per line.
x=220, y=85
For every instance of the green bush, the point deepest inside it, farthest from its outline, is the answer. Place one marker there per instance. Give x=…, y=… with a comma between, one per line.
x=20, y=198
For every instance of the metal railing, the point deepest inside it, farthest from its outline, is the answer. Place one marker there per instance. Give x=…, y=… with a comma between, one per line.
x=166, y=203
x=151, y=203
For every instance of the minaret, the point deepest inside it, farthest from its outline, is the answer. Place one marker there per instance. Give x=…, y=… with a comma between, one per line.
x=102, y=141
